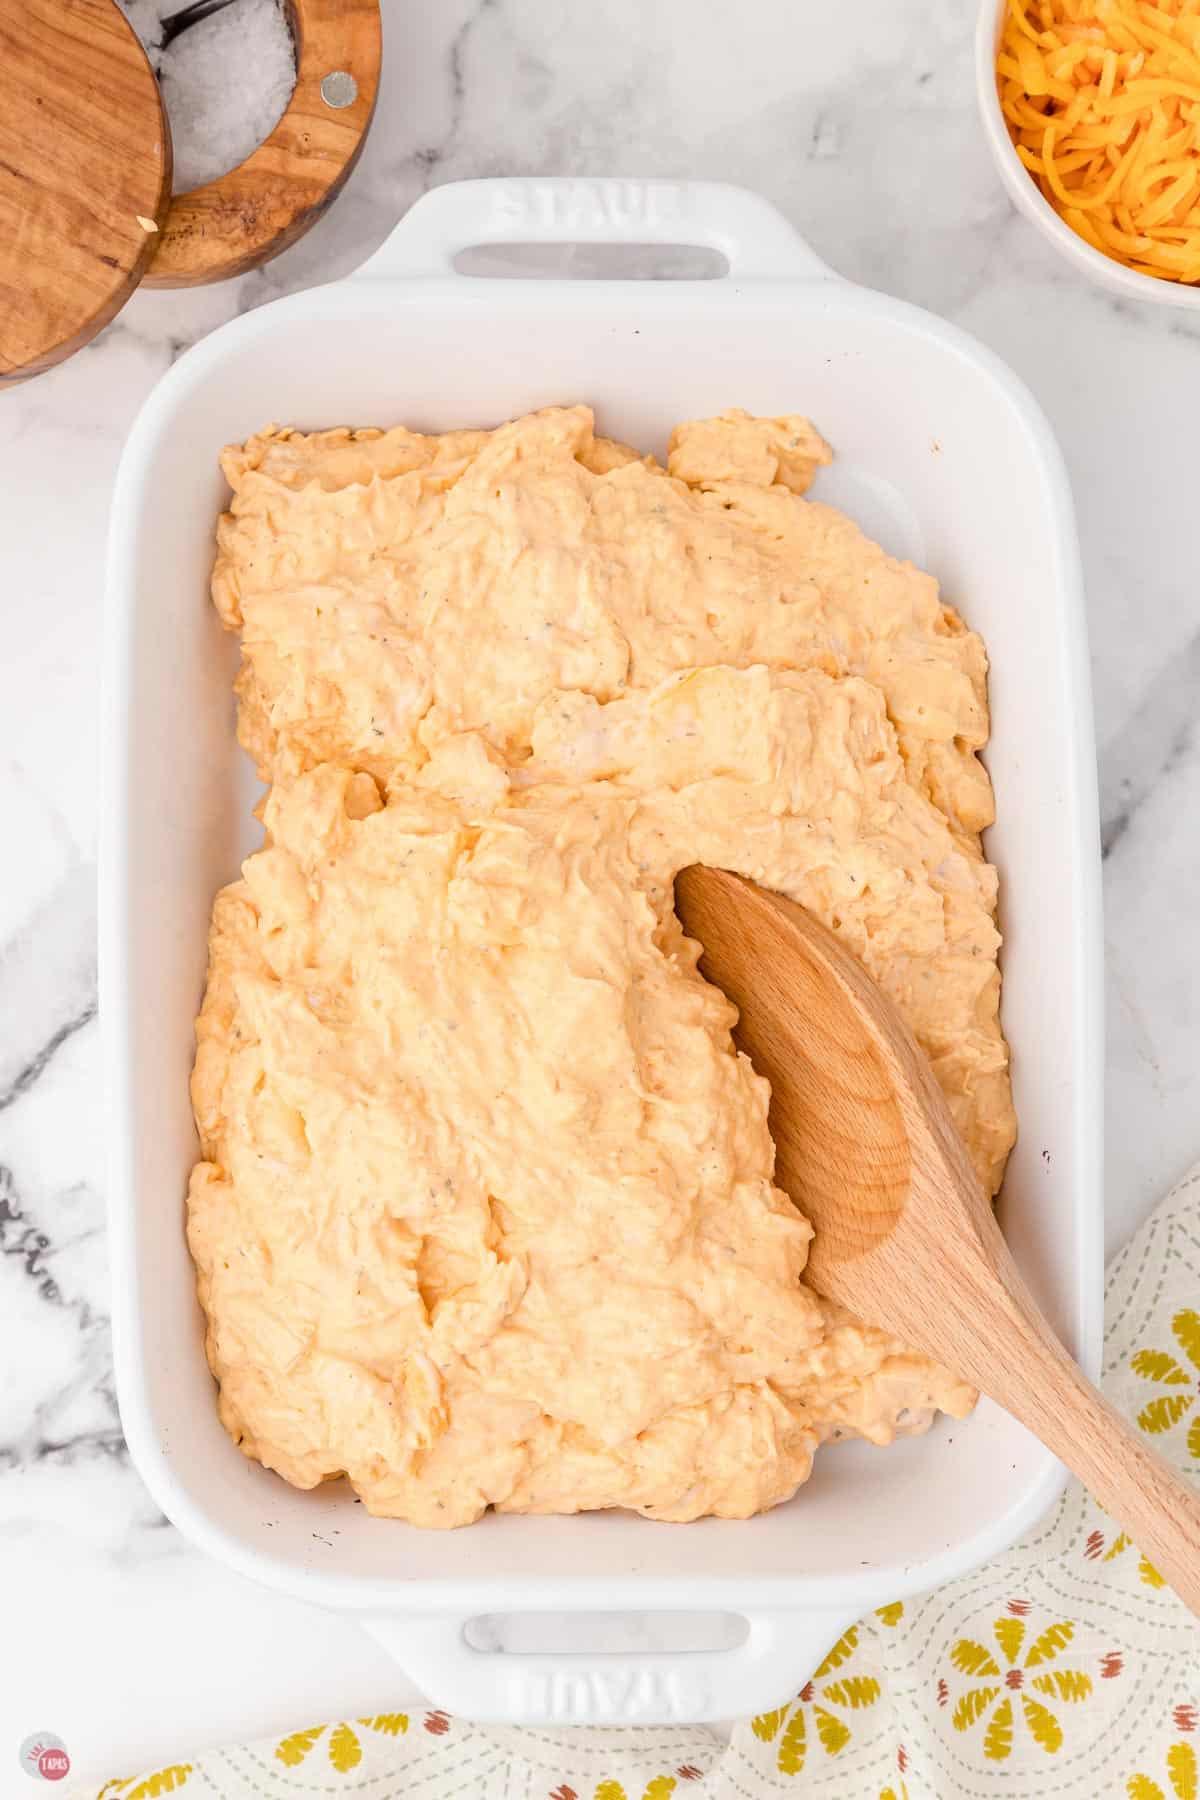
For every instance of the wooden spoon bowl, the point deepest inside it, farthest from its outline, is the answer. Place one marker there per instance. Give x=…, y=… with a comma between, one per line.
x=905, y=1236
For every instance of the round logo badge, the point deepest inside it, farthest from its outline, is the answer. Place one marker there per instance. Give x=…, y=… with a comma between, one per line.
x=44, y=1757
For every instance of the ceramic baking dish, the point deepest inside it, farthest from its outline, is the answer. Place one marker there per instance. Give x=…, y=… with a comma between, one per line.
x=944, y=457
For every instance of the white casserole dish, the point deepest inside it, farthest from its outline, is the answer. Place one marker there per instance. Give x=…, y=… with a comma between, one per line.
x=944, y=456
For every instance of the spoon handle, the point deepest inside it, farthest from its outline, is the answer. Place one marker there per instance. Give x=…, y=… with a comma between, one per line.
x=1132, y=1483
x=1020, y=1363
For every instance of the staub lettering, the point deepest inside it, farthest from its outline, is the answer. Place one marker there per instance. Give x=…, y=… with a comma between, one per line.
x=619, y=1694
x=622, y=207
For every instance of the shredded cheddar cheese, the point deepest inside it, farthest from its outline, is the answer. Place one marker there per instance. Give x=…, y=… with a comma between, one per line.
x=1102, y=100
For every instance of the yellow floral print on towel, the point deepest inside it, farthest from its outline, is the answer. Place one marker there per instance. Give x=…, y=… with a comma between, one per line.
x=1182, y=1777
x=1065, y=1668
x=343, y=1743
x=821, y=1713
x=1179, y=1380
x=153, y=1786
x=1010, y=1673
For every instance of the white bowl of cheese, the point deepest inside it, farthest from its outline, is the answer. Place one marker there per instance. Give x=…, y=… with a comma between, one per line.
x=1106, y=271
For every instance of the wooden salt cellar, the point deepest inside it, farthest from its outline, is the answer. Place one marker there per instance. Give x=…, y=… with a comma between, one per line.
x=86, y=212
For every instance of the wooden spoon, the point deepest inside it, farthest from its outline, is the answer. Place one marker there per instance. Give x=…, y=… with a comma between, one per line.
x=905, y=1236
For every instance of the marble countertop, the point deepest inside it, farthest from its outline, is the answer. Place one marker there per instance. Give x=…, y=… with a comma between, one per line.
x=859, y=123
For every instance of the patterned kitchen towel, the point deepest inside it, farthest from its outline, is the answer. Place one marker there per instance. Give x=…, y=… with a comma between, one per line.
x=1065, y=1669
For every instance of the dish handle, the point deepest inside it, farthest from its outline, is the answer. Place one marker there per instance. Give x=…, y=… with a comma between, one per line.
x=753, y=236
x=603, y=1688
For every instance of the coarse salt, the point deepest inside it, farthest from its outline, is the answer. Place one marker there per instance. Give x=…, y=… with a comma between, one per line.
x=225, y=81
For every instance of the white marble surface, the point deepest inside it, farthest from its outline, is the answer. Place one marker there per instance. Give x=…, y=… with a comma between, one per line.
x=859, y=122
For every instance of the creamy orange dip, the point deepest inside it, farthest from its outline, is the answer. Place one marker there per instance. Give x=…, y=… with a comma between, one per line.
x=485, y=1215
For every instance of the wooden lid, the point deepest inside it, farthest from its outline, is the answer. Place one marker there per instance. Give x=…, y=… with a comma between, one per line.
x=85, y=175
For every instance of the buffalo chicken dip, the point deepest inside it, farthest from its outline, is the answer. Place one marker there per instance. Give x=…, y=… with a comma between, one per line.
x=485, y=1212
